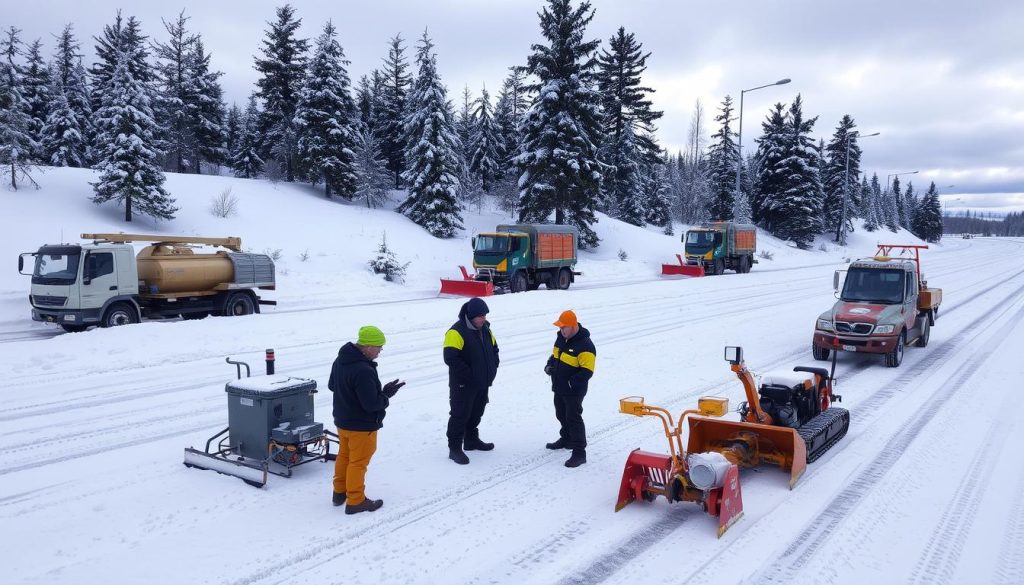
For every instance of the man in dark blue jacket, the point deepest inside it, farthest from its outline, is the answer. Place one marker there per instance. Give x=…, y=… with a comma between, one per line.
x=570, y=366
x=471, y=353
x=359, y=407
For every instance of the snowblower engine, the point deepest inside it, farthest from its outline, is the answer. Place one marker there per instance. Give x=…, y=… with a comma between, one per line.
x=790, y=398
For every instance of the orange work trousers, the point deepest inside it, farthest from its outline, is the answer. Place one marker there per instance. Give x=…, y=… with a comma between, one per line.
x=356, y=449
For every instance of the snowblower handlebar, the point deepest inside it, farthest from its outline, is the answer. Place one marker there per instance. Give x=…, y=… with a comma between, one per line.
x=706, y=406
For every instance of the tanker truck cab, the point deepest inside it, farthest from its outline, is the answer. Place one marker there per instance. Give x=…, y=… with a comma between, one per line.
x=105, y=283
x=879, y=310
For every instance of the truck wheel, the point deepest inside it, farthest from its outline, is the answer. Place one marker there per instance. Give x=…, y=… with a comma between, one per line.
x=239, y=304
x=747, y=264
x=894, y=358
x=719, y=266
x=73, y=328
x=519, y=282
x=119, y=314
x=820, y=353
x=926, y=333
x=564, y=278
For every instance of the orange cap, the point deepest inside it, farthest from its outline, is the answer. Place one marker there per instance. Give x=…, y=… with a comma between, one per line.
x=566, y=319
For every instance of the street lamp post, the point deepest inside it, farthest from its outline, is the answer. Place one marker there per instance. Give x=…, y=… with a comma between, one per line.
x=739, y=140
x=890, y=176
x=841, y=235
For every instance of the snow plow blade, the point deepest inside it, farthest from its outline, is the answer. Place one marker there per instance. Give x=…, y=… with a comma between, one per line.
x=726, y=502
x=467, y=287
x=749, y=444
x=254, y=474
x=682, y=269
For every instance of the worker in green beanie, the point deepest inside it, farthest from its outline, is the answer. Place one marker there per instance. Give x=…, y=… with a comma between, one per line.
x=359, y=407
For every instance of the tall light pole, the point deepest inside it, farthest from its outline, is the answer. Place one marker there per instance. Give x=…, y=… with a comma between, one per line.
x=841, y=235
x=739, y=140
x=889, y=177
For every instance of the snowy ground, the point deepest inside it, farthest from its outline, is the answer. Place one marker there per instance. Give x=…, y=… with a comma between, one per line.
x=924, y=489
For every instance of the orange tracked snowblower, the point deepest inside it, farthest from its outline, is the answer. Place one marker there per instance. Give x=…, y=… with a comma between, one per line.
x=707, y=479
x=789, y=421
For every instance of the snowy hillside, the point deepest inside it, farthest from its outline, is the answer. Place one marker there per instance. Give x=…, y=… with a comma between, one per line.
x=923, y=489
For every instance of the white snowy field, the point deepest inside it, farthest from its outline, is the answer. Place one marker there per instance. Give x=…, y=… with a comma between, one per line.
x=925, y=488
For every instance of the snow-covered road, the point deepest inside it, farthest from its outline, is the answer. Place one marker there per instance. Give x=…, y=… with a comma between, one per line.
x=925, y=487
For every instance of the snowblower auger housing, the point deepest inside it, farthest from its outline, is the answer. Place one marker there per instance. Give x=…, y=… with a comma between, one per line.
x=788, y=422
x=707, y=479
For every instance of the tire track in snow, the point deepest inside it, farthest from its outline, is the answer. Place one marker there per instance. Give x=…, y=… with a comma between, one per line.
x=1010, y=568
x=816, y=535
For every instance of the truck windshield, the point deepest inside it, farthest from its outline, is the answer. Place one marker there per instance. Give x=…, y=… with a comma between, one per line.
x=56, y=265
x=492, y=244
x=869, y=285
x=700, y=238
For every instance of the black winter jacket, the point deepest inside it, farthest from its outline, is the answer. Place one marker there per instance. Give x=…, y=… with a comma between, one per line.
x=573, y=361
x=471, y=355
x=359, y=403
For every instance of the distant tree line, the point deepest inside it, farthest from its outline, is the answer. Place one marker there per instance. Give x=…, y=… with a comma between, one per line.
x=984, y=224
x=570, y=133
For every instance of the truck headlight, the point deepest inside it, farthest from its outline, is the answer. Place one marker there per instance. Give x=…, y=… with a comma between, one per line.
x=884, y=328
x=825, y=325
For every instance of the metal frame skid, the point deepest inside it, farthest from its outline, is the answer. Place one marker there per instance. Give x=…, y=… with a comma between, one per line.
x=281, y=457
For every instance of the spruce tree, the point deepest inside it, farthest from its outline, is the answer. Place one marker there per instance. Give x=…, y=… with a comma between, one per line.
x=626, y=182
x=872, y=211
x=910, y=205
x=722, y=160
x=513, y=102
x=122, y=38
x=209, y=98
x=890, y=203
x=394, y=89
x=36, y=91
x=484, y=142
x=929, y=217
x=281, y=69
x=771, y=151
x=67, y=69
x=793, y=208
x=624, y=100
x=246, y=160
x=840, y=194
x=372, y=176
x=232, y=131
x=64, y=142
x=561, y=132
x=16, y=144
x=469, y=185
x=176, y=105
x=129, y=172
x=657, y=194
x=433, y=151
x=325, y=119
x=899, y=213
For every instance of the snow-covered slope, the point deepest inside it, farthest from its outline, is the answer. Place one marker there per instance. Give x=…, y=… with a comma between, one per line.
x=92, y=489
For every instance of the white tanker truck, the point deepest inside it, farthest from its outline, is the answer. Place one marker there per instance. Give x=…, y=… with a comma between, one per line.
x=104, y=283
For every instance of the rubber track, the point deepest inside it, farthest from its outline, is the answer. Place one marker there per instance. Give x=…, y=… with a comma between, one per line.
x=821, y=425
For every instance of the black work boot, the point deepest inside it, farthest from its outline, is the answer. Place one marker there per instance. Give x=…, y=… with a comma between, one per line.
x=366, y=505
x=338, y=499
x=579, y=457
x=477, y=445
x=559, y=444
x=456, y=455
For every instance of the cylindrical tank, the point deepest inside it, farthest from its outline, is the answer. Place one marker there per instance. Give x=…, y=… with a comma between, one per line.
x=165, y=269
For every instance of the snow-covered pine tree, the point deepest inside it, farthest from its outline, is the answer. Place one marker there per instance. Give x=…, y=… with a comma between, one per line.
x=623, y=99
x=16, y=144
x=281, y=69
x=562, y=130
x=797, y=208
x=36, y=91
x=469, y=185
x=232, y=130
x=372, y=176
x=508, y=113
x=129, y=171
x=246, y=160
x=175, y=106
x=325, y=118
x=872, y=202
x=891, y=202
x=368, y=102
x=63, y=140
x=433, y=151
x=210, y=123
x=625, y=183
x=929, y=216
x=771, y=150
x=897, y=202
x=67, y=69
x=839, y=193
x=657, y=205
x=484, y=142
x=122, y=36
x=910, y=205
x=722, y=161
x=394, y=92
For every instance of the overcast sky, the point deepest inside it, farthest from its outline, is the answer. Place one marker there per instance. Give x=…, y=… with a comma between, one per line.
x=942, y=81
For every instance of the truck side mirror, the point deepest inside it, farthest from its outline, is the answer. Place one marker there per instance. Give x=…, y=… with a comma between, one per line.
x=733, y=354
x=21, y=263
x=473, y=242
x=835, y=281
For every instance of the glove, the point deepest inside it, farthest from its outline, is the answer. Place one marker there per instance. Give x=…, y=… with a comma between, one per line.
x=391, y=388
x=549, y=369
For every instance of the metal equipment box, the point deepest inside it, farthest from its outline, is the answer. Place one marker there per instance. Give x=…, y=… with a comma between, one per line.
x=258, y=404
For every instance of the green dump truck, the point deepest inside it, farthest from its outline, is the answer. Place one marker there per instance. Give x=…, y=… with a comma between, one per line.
x=721, y=246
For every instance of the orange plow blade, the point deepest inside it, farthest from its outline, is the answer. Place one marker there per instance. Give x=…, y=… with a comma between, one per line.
x=467, y=287
x=681, y=269
x=750, y=444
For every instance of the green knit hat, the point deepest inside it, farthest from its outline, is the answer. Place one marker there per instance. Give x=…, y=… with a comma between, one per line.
x=370, y=335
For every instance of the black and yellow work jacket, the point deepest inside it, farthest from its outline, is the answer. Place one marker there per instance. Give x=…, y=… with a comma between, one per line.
x=572, y=361
x=471, y=355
